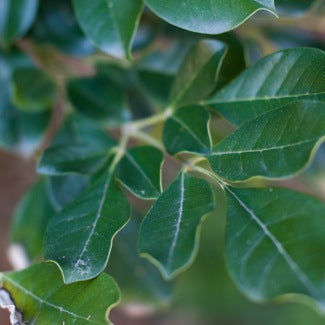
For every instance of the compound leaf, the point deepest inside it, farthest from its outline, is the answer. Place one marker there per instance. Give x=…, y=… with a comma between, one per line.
x=110, y=24
x=140, y=171
x=188, y=130
x=277, y=144
x=208, y=17
x=169, y=232
x=40, y=297
x=274, y=243
x=79, y=237
x=276, y=80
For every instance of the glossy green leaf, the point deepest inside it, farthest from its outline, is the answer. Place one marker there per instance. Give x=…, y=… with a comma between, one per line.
x=81, y=153
x=275, y=239
x=197, y=75
x=169, y=234
x=111, y=24
x=188, y=130
x=33, y=90
x=275, y=145
x=79, y=237
x=98, y=99
x=208, y=17
x=140, y=171
x=64, y=189
x=31, y=218
x=16, y=16
x=40, y=297
x=19, y=131
x=272, y=82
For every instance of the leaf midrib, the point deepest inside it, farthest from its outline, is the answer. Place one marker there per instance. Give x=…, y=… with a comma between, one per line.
x=279, y=247
x=221, y=153
x=98, y=215
x=252, y=99
x=177, y=228
x=42, y=301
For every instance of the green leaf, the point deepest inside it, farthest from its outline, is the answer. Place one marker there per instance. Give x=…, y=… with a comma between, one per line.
x=272, y=82
x=98, y=99
x=111, y=25
x=169, y=234
x=64, y=189
x=40, y=297
x=198, y=74
x=33, y=90
x=19, y=131
x=140, y=171
x=275, y=239
x=79, y=237
x=208, y=17
x=31, y=218
x=16, y=16
x=188, y=130
x=79, y=153
x=277, y=144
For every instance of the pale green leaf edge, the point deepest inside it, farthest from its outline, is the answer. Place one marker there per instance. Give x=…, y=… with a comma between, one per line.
x=173, y=103
x=142, y=197
x=282, y=298
x=292, y=175
x=18, y=286
x=273, y=12
x=199, y=155
x=107, y=258
x=170, y=276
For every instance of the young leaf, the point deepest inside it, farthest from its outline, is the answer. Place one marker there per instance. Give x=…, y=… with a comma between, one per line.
x=275, y=240
x=31, y=218
x=208, y=17
x=198, y=73
x=188, y=130
x=79, y=152
x=98, y=99
x=39, y=296
x=169, y=233
x=140, y=171
x=33, y=90
x=275, y=145
x=272, y=82
x=110, y=24
x=79, y=237
x=16, y=16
